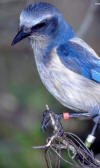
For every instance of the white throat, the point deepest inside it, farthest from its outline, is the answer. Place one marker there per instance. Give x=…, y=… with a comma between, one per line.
x=39, y=46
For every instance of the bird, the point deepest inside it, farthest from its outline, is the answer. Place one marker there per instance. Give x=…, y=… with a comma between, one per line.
x=68, y=67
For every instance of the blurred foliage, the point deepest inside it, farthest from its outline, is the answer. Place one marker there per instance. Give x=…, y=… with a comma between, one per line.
x=22, y=95
x=16, y=148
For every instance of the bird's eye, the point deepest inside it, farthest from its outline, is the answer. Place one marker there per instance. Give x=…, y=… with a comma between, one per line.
x=27, y=30
x=39, y=26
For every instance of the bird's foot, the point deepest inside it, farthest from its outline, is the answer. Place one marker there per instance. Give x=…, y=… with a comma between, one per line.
x=53, y=119
x=46, y=119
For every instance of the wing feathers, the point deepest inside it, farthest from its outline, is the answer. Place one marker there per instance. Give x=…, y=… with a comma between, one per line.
x=80, y=58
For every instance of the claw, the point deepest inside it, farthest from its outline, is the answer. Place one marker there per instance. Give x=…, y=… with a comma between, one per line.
x=44, y=125
x=50, y=117
x=46, y=120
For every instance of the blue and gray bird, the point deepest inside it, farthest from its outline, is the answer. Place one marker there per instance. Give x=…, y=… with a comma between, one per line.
x=68, y=67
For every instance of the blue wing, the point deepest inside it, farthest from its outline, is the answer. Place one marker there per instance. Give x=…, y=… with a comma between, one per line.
x=80, y=58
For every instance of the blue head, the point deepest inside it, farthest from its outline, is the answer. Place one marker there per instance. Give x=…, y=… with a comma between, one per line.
x=42, y=21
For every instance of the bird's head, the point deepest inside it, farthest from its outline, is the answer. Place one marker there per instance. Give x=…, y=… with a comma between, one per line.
x=39, y=21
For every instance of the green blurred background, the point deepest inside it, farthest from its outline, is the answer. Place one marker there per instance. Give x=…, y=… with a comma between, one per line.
x=22, y=95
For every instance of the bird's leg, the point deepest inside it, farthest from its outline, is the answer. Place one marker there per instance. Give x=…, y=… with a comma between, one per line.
x=50, y=117
x=80, y=115
x=94, y=114
x=91, y=137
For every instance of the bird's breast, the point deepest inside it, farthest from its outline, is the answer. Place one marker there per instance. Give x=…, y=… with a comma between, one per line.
x=69, y=88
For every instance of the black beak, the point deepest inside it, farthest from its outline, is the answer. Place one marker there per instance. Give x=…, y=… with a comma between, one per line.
x=20, y=36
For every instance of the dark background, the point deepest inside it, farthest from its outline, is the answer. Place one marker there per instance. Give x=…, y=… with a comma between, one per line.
x=22, y=95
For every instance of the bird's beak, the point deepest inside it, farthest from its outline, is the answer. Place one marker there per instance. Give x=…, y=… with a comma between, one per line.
x=20, y=36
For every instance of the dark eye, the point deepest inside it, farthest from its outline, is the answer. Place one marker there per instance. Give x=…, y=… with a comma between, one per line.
x=26, y=30
x=39, y=26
